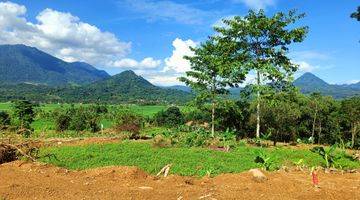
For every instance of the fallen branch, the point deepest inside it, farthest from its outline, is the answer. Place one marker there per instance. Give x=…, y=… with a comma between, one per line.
x=164, y=170
x=21, y=152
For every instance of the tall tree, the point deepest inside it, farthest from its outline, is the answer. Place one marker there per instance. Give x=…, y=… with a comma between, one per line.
x=351, y=115
x=356, y=15
x=263, y=42
x=209, y=76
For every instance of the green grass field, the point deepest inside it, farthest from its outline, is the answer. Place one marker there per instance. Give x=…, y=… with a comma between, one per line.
x=41, y=125
x=185, y=161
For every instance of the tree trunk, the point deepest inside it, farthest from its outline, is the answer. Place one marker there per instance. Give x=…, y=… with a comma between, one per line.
x=314, y=121
x=213, y=119
x=258, y=107
x=353, y=133
x=319, y=134
x=213, y=107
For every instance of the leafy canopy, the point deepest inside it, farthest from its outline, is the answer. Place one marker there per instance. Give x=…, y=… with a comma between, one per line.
x=356, y=15
x=209, y=75
x=261, y=42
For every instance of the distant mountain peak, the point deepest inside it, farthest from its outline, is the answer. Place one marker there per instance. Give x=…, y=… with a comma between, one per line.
x=309, y=83
x=20, y=63
x=310, y=79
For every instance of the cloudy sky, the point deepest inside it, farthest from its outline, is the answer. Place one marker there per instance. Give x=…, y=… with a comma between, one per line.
x=151, y=37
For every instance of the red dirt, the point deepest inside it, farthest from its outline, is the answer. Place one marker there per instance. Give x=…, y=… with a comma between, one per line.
x=20, y=180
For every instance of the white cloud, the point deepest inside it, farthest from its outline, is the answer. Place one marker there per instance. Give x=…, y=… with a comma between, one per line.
x=165, y=80
x=304, y=66
x=60, y=34
x=256, y=4
x=176, y=61
x=167, y=11
x=146, y=63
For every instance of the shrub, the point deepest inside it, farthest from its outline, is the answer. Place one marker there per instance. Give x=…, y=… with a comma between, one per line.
x=198, y=115
x=24, y=113
x=264, y=160
x=329, y=155
x=4, y=119
x=129, y=121
x=78, y=119
x=62, y=122
x=171, y=117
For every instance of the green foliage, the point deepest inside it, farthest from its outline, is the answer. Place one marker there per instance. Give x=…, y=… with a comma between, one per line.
x=5, y=119
x=328, y=154
x=356, y=15
x=280, y=116
x=350, y=112
x=209, y=76
x=264, y=160
x=186, y=161
x=77, y=118
x=171, y=117
x=62, y=121
x=128, y=121
x=198, y=115
x=261, y=43
x=24, y=113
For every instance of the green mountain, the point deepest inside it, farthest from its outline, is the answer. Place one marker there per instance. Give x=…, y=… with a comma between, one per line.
x=309, y=83
x=23, y=64
x=124, y=87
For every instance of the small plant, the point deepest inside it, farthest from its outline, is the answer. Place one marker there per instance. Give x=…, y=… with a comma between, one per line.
x=329, y=155
x=299, y=164
x=161, y=141
x=264, y=160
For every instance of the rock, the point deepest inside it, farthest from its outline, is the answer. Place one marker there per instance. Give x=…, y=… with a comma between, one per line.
x=145, y=188
x=257, y=175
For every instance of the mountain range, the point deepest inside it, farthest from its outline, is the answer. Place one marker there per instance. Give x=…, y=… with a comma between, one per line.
x=23, y=64
x=27, y=72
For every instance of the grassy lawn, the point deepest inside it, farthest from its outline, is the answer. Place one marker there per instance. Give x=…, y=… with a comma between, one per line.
x=186, y=161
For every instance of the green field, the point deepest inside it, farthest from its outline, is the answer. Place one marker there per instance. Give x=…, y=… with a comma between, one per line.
x=185, y=161
x=41, y=125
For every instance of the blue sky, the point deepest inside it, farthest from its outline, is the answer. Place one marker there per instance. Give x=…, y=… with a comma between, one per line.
x=150, y=37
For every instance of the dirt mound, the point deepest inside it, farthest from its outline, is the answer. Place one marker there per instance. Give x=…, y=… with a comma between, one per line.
x=41, y=181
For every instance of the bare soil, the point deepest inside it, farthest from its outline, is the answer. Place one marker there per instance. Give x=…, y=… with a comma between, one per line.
x=24, y=180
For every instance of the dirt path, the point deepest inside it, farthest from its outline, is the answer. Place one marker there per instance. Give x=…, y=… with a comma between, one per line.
x=39, y=181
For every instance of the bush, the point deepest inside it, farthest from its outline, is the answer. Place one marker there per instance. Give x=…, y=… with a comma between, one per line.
x=129, y=121
x=197, y=115
x=62, y=122
x=78, y=119
x=4, y=119
x=24, y=113
x=171, y=117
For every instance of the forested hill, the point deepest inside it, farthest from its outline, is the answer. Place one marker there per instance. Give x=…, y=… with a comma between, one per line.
x=123, y=87
x=309, y=83
x=23, y=64
x=126, y=86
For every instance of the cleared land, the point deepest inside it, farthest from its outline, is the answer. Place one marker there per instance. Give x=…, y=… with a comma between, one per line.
x=40, y=181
